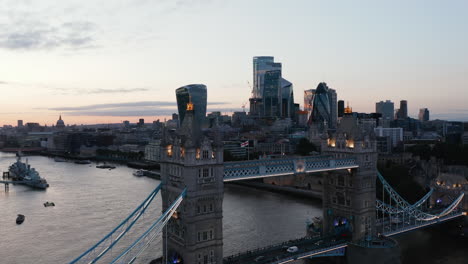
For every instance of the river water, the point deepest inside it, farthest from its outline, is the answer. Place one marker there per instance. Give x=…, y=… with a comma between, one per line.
x=90, y=202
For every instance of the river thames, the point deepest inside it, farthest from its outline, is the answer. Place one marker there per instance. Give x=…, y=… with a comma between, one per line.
x=90, y=202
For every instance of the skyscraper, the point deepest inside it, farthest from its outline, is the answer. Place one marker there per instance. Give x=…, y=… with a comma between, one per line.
x=272, y=95
x=324, y=106
x=340, y=108
x=321, y=112
x=20, y=123
x=402, y=113
x=287, y=98
x=423, y=114
x=308, y=101
x=386, y=109
x=196, y=93
x=332, y=97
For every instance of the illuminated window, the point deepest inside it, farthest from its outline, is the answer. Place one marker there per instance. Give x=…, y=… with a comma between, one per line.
x=197, y=155
x=182, y=152
x=350, y=143
x=169, y=151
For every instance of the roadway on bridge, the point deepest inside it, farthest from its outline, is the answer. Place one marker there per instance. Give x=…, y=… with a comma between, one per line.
x=307, y=247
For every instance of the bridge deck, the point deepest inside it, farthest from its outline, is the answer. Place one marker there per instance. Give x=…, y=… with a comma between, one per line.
x=307, y=247
x=310, y=247
x=244, y=170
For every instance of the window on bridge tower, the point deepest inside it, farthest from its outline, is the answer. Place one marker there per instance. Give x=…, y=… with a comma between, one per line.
x=340, y=198
x=205, y=154
x=341, y=181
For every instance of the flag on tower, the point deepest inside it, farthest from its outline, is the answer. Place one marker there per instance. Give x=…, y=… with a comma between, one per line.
x=245, y=144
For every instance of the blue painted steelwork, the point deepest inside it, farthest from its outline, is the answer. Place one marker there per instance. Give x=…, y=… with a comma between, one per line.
x=90, y=256
x=236, y=171
x=146, y=238
x=419, y=225
x=334, y=253
x=402, y=217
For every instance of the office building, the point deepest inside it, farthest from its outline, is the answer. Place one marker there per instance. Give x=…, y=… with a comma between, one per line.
x=423, y=115
x=341, y=108
x=402, y=113
x=308, y=101
x=332, y=96
x=386, y=109
x=287, y=99
x=196, y=93
x=272, y=95
x=395, y=134
x=20, y=123
x=324, y=107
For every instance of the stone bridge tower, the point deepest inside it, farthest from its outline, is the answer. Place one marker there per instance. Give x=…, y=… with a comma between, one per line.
x=189, y=160
x=349, y=195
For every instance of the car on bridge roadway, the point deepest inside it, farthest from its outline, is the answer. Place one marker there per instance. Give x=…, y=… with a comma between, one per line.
x=292, y=249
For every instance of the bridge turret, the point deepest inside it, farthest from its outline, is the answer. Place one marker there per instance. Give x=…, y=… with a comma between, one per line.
x=349, y=195
x=190, y=160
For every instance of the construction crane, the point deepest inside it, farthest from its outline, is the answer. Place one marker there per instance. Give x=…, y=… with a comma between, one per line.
x=243, y=106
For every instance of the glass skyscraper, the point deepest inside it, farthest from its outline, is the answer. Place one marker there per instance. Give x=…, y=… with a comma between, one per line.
x=198, y=95
x=386, y=108
x=321, y=110
x=272, y=95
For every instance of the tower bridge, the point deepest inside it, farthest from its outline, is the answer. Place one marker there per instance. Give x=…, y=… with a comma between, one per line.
x=192, y=187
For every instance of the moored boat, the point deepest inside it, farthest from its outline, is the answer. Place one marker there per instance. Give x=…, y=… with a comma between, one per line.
x=46, y=204
x=20, y=219
x=139, y=173
x=105, y=166
x=22, y=173
x=83, y=162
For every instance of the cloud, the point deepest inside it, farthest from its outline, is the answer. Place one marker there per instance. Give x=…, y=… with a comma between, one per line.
x=104, y=91
x=143, y=108
x=116, y=105
x=27, y=32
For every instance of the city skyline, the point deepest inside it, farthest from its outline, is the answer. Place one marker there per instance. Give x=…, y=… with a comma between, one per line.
x=100, y=63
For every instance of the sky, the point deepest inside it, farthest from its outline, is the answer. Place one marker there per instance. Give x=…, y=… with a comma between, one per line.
x=105, y=61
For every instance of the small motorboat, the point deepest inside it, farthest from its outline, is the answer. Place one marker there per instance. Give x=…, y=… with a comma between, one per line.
x=20, y=219
x=59, y=159
x=139, y=173
x=46, y=204
x=105, y=166
x=83, y=162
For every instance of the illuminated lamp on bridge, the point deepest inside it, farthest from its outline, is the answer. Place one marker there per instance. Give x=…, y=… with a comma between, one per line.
x=175, y=215
x=197, y=154
x=331, y=142
x=176, y=259
x=169, y=150
x=350, y=143
x=342, y=226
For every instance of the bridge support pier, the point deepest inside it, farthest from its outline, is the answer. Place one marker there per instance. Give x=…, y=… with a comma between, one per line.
x=382, y=250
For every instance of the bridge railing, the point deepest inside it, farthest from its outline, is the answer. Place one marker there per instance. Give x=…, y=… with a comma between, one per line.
x=280, y=167
x=304, y=244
